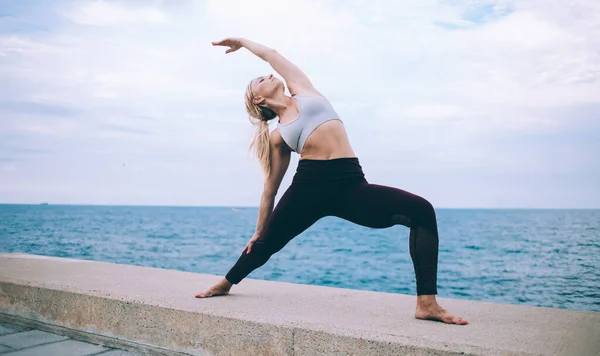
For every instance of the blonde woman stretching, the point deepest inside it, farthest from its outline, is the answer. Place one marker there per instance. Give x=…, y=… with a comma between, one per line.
x=329, y=180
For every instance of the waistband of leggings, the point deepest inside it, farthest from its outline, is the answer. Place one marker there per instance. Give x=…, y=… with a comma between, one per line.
x=328, y=162
x=311, y=170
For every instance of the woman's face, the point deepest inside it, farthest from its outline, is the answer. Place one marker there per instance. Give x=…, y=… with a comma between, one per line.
x=265, y=87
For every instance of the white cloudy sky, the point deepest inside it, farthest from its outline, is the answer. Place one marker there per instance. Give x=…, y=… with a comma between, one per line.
x=467, y=103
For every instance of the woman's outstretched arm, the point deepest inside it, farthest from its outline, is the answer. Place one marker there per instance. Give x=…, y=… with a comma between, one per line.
x=295, y=79
x=280, y=161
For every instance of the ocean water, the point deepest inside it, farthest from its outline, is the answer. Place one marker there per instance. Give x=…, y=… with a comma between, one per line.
x=547, y=258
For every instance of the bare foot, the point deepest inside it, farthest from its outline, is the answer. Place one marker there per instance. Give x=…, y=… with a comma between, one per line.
x=221, y=288
x=436, y=312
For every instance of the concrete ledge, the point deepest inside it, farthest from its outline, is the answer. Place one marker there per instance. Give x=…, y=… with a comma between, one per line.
x=153, y=311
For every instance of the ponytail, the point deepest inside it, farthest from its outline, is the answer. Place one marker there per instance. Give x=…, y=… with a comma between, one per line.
x=260, y=144
x=259, y=117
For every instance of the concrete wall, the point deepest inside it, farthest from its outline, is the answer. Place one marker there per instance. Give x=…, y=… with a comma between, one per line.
x=154, y=311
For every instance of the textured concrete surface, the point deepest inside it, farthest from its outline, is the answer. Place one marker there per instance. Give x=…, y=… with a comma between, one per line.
x=139, y=307
x=20, y=341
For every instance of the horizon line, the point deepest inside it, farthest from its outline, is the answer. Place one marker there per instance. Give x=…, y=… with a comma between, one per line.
x=256, y=206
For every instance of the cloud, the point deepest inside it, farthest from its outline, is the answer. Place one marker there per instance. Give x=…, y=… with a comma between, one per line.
x=37, y=108
x=122, y=129
x=21, y=45
x=102, y=13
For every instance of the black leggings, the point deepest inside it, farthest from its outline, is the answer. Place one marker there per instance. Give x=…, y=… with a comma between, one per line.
x=337, y=187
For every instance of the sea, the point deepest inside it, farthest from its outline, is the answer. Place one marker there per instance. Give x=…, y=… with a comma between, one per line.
x=548, y=258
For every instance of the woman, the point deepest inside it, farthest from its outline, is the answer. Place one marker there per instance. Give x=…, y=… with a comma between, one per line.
x=328, y=182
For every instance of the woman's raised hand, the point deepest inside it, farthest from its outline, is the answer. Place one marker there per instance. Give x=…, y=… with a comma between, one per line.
x=233, y=43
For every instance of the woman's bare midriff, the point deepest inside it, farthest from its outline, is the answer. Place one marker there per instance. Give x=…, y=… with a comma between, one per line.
x=328, y=141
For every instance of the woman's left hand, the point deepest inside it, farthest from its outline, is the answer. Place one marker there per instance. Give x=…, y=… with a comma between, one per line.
x=233, y=43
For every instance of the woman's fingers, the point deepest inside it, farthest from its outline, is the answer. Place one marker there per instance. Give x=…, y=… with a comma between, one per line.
x=232, y=44
x=225, y=42
x=248, y=248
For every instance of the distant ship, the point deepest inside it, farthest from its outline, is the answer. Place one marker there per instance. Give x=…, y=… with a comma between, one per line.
x=44, y=203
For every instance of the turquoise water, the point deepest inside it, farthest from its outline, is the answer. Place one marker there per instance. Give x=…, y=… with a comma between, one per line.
x=531, y=257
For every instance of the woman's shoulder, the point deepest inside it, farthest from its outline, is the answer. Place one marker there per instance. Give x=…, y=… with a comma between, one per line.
x=277, y=141
x=275, y=137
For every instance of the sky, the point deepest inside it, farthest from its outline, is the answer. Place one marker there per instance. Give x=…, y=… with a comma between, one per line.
x=470, y=104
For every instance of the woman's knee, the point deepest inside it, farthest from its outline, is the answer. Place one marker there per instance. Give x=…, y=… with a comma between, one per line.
x=426, y=206
x=426, y=212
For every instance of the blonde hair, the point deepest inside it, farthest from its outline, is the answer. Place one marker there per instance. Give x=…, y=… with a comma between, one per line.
x=259, y=117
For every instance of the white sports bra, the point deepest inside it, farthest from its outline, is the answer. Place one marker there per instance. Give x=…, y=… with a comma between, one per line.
x=312, y=112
